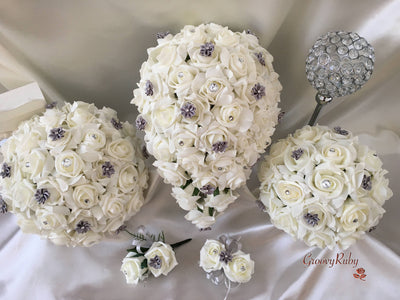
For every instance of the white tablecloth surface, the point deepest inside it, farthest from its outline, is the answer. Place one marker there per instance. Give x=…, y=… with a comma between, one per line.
x=92, y=51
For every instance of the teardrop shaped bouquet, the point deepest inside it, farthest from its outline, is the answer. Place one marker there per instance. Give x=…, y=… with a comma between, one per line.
x=208, y=102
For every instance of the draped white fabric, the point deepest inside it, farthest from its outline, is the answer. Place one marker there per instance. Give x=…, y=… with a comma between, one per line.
x=92, y=51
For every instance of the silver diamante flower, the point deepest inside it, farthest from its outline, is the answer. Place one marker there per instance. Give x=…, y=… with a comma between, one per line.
x=149, y=89
x=260, y=58
x=207, y=189
x=140, y=123
x=117, y=124
x=220, y=146
x=366, y=183
x=5, y=171
x=42, y=195
x=311, y=219
x=161, y=35
x=296, y=154
x=108, y=169
x=339, y=63
x=155, y=262
x=225, y=256
x=56, y=133
x=341, y=131
x=258, y=91
x=82, y=227
x=188, y=110
x=207, y=49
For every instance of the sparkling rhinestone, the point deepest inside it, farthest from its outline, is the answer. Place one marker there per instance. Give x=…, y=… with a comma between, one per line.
x=134, y=178
x=332, y=150
x=326, y=183
x=242, y=268
x=28, y=164
x=230, y=118
x=181, y=143
x=241, y=59
x=94, y=136
x=86, y=201
x=180, y=74
x=342, y=50
x=45, y=222
x=335, y=39
x=215, y=251
x=287, y=192
x=213, y=87
x=355, y=220
x=220, y=169
x=66, y=162
x=323, y=59
x=353, y=54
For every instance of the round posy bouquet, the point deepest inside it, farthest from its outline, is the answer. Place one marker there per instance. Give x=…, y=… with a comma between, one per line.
x=208, y=105
x=73, y=174
x=322, y=186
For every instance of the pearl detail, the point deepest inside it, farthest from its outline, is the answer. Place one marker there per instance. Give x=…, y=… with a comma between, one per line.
x=326, y=184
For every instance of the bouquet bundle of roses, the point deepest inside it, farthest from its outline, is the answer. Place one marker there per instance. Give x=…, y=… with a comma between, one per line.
x=323, y=187
x=208, y=102
x=73, y=174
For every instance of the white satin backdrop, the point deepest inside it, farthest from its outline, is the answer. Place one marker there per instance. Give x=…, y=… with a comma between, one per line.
x=92, y=51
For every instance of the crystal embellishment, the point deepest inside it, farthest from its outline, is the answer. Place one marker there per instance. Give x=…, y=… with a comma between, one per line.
x=161, y=35
x=326, y=183
x=108, y=169
x=258, y=91
x=155, y=262
x=42, y=195
x=339, y=63
x=207, y=49
x=225, y=257
x=208, y=189
x=213, y=87
x=66, y=162
x=140, y=123
x=82, y=227
x=5, y=171
x=56, y=133
x=311, y=219
x=220, y=146
x=188, y=110
x=3, y=206
x=296, y=154
x=117, y=124
x=148, y=88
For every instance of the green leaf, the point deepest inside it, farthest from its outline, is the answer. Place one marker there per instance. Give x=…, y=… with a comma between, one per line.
x=196, y=192
x=187, y=58
x=205, y=156
x=226, y=190
x=143, y=265
x=199, y=209
x=211, y=211
x=161, y=237
x=176, y=96
x=216, y=192
x=188, y=182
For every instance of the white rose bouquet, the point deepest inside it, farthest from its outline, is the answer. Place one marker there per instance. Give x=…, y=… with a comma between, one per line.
x=208, y=102
x=150, y=254
x=323, y=187
x=224, y=262
x=73, y=174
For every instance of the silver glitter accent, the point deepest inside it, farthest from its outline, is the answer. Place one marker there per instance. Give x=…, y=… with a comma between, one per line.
x=311, y=219
x=82, y=227
x=27, y=164
x=155, y=262
x=56, y=133
x=108, y=169
x=207, y=189
x=149, y=89
x=140, y=123
x=260, y=58
x=326, y=183
x=207, y=49
x=117, y=124
x=220, y=146
x=296, y=154
x=188, y=110
x=332, y=150
x=366, y=183
x=66, y=162
x=340, y=131
x=42, y=195
x=161, y=35
x=258, y=91
x=213, y=87
x=339, y=63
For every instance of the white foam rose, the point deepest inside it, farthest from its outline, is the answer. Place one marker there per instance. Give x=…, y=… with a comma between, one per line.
x=112, y=205
x=321, y=239
x=120, y=149
x=171, y=172
x=132, y=268
x=167, y=256
x=236, y=116
x=200, y=219
x=289, y=192
x=128, y=178
x=52, y=218
x=210, y=255
x=85, y=196
x=220, y=202
x=308, y=133
x=69, y=164
x=355, y=216
x=37, y=161
x=22, y=195
x=240, y=268
x=184, y=197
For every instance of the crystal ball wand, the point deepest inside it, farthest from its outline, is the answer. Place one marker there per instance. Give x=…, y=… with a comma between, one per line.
x=338, y=64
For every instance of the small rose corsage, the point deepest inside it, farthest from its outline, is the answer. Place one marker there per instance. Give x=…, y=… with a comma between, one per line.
x=150, y=254
x=225, y=262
